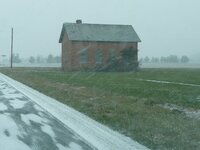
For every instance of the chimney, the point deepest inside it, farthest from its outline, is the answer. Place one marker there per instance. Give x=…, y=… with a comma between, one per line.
x=79, y=21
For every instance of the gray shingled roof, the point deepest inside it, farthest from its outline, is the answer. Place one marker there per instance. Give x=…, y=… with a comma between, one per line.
x=99, y=33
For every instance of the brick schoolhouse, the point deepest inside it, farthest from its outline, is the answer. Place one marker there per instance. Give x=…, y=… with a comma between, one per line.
x=88, y=45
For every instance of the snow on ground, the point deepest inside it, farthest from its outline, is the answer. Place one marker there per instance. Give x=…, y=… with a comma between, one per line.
x=198, y=98
x=188, y=112
x=48, y=129
x=28, y=118
x=3, y=107
x=38, y=108
x=8, y=92
x=96, y=134
x=74, y=146
x=18, y=103
x=8, y=135
x=24, y=125
x=167, y=82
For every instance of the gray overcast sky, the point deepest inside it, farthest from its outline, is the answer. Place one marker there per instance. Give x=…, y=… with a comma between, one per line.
x=164, y=26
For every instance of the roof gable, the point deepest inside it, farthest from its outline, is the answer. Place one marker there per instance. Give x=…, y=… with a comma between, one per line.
x=99, y=33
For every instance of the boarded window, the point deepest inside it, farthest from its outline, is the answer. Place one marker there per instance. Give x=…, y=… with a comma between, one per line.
x=83, y=56
x=98, y=56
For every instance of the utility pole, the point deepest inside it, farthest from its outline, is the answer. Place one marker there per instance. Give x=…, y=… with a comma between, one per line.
x=11, y=58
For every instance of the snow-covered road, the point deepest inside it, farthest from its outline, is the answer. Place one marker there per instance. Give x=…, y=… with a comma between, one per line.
x=29, y=120
x=24, y=125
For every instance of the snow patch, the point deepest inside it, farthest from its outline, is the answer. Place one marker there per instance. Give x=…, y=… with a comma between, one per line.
x=10, y=141
x=38, y=108
x=188, y=112
x=47, y=129
x=198, y=98
x=17, y=104
x=3, y=107
x=31, y=117
x=61, y=147
x=74, y=146
x=10, y=93
x=167, y=82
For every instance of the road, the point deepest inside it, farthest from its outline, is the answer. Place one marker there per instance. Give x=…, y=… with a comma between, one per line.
x=24, y=125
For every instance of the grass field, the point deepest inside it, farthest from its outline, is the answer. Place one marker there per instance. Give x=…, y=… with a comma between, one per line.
x=127, y=104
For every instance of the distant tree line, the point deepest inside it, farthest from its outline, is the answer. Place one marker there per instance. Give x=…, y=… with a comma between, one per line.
x=39, y=59
x=168, y=59
x=50, y=59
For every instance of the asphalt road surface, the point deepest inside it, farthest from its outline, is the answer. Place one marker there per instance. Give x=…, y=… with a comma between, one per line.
x=24, y=125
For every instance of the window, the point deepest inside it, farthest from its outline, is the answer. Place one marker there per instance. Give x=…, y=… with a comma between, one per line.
x=83, y=56
x=111, y=54
x=98, y=56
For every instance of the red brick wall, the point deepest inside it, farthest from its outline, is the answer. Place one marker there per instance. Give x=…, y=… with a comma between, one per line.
x=70, y=52
x=66, y=53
